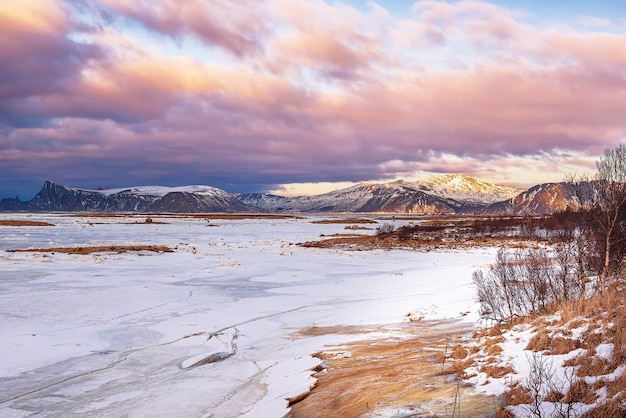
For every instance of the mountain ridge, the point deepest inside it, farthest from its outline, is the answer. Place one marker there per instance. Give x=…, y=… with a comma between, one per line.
x=446, y=194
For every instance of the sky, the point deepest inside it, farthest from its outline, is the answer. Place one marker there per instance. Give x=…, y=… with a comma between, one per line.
x=305, y=96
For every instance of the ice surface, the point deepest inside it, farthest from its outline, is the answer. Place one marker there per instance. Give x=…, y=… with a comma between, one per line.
x=127, y=334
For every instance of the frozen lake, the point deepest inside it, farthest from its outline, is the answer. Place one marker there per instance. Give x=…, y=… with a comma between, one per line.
x=211, y=329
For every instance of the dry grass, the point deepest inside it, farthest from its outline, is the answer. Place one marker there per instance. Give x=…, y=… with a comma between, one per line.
x=517, y=395
x=385, y=374
x=497, y=371
x=580, y=391
x=98, y=249
x=13, y=222
x=494, y=349
x=598, y=320
x=504, y=413
x=459, y=352
x=592, y=366
x=345, y=221
x=562, y=345
x=540, y=341
x=369, y=242
x=435, y=233
x=611, y=409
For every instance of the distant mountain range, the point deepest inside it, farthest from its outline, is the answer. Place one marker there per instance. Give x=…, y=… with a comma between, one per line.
x=446, y=194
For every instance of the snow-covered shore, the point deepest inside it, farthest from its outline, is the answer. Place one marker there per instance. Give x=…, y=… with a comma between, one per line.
x=208, y=330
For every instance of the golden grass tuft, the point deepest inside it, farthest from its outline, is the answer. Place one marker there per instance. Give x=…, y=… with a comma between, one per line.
x=611, y=409
x=554, y=396
x=504, y=413
x=517, y=395
x=592, y=338
x=459, y=352
x=592, y=366
x=580, y=391
x=494, y=350
x=496, y=371
x=562, y=345
x=540, y=341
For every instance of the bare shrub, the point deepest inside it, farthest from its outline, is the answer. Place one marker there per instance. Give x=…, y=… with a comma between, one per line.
x=386, y=228
x=520, y=283
x=539, y=382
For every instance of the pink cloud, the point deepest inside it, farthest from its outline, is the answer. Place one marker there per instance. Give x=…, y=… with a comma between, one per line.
x=236, y=27
x=36, y=57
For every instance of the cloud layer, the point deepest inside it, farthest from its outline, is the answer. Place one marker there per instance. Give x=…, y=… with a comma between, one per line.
x=254, y=94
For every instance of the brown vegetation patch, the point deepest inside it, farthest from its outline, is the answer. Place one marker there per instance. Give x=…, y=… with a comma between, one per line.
x=517, y=394
x=358, y=227
x=593, y=366
x=315, y=331
x=450, y=232
x=345, y=221
x=494, y=350
x=504, y=413
x=13, y=222
x=497, y=371
x=494, y=331
x=562, y=345
x=540, y=341
x=383, y=374
x=98, y=249
x=459, y=352
x=610, y=409
x=617, y=386
x=369, y=242
x=580, y=391
x=592, y=338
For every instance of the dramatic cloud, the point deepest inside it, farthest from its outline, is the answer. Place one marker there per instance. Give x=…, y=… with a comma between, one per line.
x=257, y=94
x=37, y=59
x=234, y=26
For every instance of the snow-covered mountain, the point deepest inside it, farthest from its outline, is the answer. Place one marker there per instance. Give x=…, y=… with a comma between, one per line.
x=55, y=197
x=161, y=191
x=360, y=198
x=542, y=199
x=454, y=193
x=466, y=189
x=447, y=194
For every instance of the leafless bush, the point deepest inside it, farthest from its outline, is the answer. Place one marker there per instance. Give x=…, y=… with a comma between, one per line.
x=520, y=283
x=531, y=281
x=545, y=389
x=386, y=228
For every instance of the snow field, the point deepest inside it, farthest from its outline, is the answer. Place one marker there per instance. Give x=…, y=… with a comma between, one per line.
x=211, y=329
